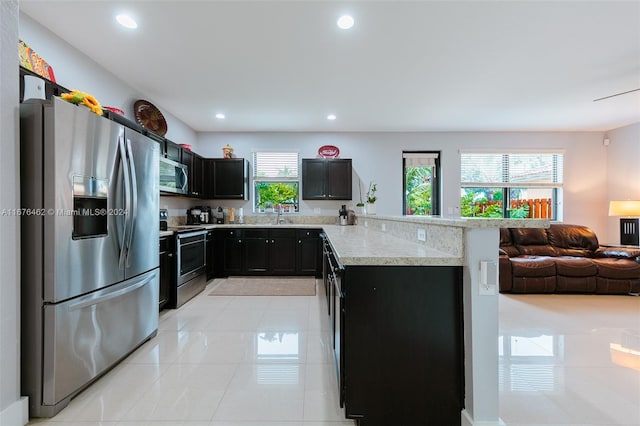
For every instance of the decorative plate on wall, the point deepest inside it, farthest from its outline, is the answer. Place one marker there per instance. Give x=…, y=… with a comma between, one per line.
x=328, y=151
x=150, y=117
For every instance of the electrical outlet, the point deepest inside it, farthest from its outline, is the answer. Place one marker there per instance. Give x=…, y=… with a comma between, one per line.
x=422, y=235
x=384, y=227
x=488, y=278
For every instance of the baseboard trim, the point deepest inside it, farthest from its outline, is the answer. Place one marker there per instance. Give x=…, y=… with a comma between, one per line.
x=16, y=414
x=467, y=420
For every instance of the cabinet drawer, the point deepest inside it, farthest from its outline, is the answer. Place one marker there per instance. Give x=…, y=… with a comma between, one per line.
x=166, y=244
x=283, y=233
x=233, y=233
x=308, y=233
x=256, y=233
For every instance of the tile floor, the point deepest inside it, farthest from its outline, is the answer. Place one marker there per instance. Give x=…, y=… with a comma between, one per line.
x=266, y=361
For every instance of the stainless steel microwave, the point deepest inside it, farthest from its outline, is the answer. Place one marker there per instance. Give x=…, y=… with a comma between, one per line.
x=173, y=176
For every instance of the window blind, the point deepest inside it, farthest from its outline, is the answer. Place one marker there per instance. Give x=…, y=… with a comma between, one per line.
x=514, y=170
x=275, y=165
x=420, y=159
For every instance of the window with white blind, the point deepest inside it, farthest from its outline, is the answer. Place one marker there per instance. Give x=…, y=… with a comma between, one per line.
x=511, y=184
x=420, y=183
x=276, y=182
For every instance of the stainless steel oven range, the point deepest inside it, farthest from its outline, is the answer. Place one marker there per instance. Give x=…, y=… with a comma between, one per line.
x=191, y=262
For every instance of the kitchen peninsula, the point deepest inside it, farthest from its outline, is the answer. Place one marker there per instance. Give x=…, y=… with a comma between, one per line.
x=414, y=306
x=437, y=293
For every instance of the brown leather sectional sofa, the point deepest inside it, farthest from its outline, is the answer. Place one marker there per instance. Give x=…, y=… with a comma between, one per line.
x=565, y=259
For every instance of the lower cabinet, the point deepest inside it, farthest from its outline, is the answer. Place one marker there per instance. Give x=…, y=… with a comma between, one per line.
x=210, y=255
x=167, y=269
x=309, y=253
x=230, y=255
x=398, y=343
x=265, y=251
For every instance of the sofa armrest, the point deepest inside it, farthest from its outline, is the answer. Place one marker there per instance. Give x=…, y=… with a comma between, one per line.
x=618, y=252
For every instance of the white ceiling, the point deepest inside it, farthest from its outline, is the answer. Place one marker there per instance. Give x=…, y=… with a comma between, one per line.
x=404, y=66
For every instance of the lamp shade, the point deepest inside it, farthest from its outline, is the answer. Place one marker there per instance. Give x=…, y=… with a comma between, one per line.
x=624, y=208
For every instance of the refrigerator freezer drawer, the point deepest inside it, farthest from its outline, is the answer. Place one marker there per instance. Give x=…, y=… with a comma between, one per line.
x=87, y=335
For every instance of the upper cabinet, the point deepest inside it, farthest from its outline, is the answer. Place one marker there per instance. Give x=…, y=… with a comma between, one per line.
x=173, y=151
x=326, y=179
x=196, y=166
x=226, y=178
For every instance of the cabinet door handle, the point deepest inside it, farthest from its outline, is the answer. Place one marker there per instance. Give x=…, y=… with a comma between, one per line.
x=240, y=241
x=266, y=241
x=299, y=241
x=273, y=241
x=170, y=255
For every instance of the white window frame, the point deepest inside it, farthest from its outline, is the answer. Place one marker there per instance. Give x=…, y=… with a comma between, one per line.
x=554, y=179
x=272, y=176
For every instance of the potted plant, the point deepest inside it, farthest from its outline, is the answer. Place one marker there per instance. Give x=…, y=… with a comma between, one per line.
x=360, y=205
x=371, y=198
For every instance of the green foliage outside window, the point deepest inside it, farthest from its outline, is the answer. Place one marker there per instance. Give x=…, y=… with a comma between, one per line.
x=418, y=190
x=474, y=201
x=274, y=193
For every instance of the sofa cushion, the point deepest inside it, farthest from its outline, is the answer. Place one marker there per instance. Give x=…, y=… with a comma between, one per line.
x=532, y=242
x=576, y=267
x=572, y=240
x=621, y=269
x=533, y=266
x=619, y=252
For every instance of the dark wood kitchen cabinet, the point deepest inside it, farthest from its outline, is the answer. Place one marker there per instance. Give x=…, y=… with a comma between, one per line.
x=173, y=151
x=256, y=252
x=309, y=253
x=226, y=178
x=270, y=252
x=210, y=255
x=399, y=344
x=283, y=249
x=167, y=269
x=232, y=247
x=196, y=166
x=326, y=179
x=267, y=251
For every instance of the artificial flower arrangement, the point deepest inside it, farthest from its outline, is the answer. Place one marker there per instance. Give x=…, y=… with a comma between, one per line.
x=81, y=98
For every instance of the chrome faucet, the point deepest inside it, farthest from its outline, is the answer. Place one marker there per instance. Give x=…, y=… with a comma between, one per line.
x=279, y=219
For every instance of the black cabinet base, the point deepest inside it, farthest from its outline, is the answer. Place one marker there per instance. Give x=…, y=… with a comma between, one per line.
x=403, y=345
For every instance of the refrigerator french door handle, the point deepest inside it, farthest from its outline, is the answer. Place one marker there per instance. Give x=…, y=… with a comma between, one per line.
x=133, y=213
x=112, y=295
x=127, y=202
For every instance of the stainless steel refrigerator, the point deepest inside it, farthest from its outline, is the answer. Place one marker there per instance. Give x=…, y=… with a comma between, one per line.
x=89, y=247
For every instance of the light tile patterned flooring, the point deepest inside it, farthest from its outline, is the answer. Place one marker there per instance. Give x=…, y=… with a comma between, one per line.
x=266, y=361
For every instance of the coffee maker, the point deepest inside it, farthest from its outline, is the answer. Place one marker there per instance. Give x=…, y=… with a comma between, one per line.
x=198, y=215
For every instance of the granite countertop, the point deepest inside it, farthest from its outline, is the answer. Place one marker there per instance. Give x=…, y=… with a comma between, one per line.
x=262, y=225
x=358, y=245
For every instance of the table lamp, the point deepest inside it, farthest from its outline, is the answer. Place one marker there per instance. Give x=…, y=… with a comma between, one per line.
x=628, y=225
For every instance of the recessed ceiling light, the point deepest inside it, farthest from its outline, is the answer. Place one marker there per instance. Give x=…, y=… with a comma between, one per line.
x=331, y=117
x=220, y=116
x=126, y=21
x=345, y=22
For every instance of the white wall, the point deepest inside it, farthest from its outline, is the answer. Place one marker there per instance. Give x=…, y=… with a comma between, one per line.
x=12, y=408
x=74, y=70
x=623, y=172
x=378, y=157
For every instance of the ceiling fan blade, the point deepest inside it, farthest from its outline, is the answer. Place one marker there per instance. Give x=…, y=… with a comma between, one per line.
x=617, y=94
